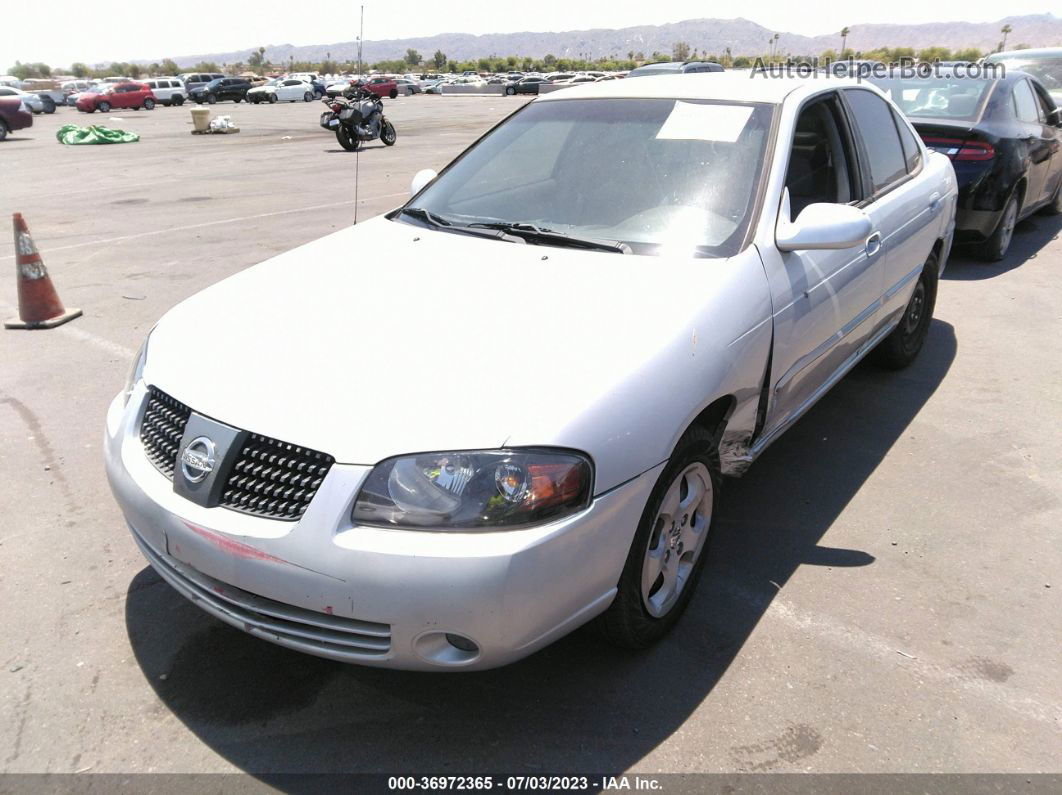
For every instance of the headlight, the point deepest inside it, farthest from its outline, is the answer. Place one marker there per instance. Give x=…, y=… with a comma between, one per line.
x=136, y=370
x=476, y=490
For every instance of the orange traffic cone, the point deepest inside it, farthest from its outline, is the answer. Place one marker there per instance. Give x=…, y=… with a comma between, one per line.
x=38, y=304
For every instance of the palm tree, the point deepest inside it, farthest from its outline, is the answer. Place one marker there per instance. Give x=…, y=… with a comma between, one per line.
x=844, y=38
x=1004, y=30
x=774, y=44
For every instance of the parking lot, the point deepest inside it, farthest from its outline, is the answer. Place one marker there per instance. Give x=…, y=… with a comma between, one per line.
x=884, y=595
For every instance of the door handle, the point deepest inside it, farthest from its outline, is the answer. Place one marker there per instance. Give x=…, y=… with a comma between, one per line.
x=873, y=244
x=934, y=201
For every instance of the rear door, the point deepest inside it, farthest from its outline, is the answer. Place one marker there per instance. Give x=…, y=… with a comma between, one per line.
x=902, y=208
x=1036, y=139
x=1052, y=135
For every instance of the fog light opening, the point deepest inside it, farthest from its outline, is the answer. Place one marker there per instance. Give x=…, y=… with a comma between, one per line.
x=462, y=643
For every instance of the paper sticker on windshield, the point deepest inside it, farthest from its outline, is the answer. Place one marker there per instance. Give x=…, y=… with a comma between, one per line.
x=696, y=122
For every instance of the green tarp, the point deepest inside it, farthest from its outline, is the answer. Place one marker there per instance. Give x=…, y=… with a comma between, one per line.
x=74, y=134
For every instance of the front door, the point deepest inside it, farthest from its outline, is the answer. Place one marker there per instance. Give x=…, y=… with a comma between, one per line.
x=822, y=299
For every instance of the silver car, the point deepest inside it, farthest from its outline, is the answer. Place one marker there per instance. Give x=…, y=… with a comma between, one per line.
x=450, y=435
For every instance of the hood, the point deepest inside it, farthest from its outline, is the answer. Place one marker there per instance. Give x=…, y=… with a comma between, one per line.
x=389, y=338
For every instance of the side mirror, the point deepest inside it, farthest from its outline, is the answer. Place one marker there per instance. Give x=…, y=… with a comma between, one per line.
x=421, y=180
x=822, y=226
x=1055, y=117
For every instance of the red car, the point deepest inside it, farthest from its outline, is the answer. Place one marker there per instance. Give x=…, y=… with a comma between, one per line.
x=381, y=86
x=119, y=95
x=13, y=116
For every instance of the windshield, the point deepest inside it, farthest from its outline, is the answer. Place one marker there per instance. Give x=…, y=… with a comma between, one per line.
x=662, y=176
x=938, y=97
x=1047, y=70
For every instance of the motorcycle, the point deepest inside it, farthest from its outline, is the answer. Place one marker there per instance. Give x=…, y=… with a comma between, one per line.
x=356, y=117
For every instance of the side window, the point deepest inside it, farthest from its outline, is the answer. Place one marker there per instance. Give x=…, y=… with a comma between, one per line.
x=820, y=162
x=1025, y=103
x=873, y=119
x=911, y=152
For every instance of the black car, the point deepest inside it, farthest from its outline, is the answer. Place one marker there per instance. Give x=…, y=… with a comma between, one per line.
x=234, y=88
x=525, y=85
x=675, y=68
x=1004, y=137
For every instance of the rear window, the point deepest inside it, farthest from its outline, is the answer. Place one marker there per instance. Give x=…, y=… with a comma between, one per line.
x=937, y=97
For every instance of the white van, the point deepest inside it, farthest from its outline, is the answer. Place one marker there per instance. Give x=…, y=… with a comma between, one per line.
x=167, y=90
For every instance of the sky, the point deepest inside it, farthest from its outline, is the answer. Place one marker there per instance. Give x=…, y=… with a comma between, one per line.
x=108, y=30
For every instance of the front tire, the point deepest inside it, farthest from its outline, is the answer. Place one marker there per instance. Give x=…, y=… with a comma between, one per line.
x=272, y=99
x=388, y=134
x=3, y=130
x=510, y=91
x=104, y=107
x=211, y=99
x=901, y=347
x=995, y=248
x=178, y=100
x=149, y=104
x=393, y=94
x=346, y=139
x=49, y=104
x=307, y=97
x=670, y=546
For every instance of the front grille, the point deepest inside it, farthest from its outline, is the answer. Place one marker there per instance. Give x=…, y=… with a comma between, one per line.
x=274, y=479
x=270, y=478
x=161, y=430
x=325, y=634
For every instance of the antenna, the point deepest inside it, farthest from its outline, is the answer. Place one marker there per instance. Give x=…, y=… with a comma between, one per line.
x=357, y=152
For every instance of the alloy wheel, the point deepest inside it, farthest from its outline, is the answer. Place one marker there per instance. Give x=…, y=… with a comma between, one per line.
x=677, y=538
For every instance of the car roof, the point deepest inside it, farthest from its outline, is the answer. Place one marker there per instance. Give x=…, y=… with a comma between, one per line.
x=1035, y=52
x=725, y=86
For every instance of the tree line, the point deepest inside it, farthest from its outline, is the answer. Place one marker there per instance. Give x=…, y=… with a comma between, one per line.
x=439, y=62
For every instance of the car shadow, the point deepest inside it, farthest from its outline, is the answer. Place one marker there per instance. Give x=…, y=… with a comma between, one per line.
x=576, y=705
x=1030, y=237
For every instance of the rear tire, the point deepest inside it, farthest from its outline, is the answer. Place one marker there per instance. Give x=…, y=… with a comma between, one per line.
x=212, y=99
x=901, y=347
x=672, y=540
x=995, y=248
x=510, y=91
x=178, y=100
x=307, y=97
x=272, y=99
x=49, y=104
x=149, y=104
x=3, y=130
x=393, y=94
x=104, y=107
x=346, y=140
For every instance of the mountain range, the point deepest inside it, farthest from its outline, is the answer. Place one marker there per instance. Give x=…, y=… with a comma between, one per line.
x=742, y=36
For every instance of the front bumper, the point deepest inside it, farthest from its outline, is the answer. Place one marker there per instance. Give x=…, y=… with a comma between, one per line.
x=369, y=595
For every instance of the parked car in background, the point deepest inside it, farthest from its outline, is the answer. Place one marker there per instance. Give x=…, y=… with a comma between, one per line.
x=71, y=88
x=50, y=92
x=408, y=87
x=13, y=116
x=168, y=90
x=675, y=67
x=1004, y=139
x=220, y=90
x=381, y=86
x=762, y=239
x=128, y=95
x=194, y=80
x=525, y=85
x=282, y=89
x=1043, y=63
x=33, y=103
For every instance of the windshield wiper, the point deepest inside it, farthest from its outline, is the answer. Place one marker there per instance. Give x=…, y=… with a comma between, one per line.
x=446, y=225
x=537, y=234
